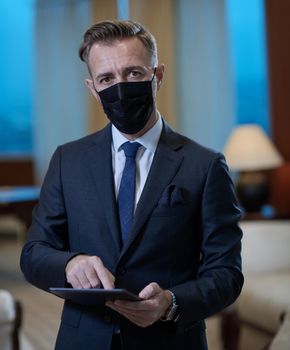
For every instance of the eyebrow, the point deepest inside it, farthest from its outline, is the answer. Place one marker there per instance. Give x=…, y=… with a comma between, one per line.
x=106, y=74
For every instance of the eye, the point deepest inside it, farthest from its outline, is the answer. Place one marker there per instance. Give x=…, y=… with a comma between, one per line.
x=105, y=80
x=135, y=75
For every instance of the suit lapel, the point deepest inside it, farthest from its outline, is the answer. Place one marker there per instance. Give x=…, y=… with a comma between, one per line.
x=99, y=159
x=165, y=165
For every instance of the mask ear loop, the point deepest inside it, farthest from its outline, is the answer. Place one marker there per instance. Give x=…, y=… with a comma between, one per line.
x=154, y=73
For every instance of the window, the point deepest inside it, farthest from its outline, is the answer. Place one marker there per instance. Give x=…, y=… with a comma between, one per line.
x=16, y=71
x=246, y=22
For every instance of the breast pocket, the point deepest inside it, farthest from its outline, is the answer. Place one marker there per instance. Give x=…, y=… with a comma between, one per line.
x=178, y=210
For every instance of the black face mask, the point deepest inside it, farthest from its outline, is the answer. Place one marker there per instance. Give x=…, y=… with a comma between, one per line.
x=128, y=105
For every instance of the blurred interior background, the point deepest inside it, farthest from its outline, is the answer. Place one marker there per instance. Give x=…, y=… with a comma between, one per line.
x=227, y=67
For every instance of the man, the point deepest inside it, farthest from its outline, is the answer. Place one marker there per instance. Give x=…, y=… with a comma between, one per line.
x=168, y=232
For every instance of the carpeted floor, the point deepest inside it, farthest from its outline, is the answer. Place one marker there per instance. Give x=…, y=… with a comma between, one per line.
x=41, y=310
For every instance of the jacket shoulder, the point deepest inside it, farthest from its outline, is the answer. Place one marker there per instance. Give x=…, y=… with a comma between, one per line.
x=86, y=142
x=189, y=147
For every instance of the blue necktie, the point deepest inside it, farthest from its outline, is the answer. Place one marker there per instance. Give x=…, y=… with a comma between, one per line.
x=126, y=197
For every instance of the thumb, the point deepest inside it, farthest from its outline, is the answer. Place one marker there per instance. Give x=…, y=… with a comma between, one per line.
x=150, y=291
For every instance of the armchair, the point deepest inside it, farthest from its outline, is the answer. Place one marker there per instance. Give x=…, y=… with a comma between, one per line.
x=265, y=298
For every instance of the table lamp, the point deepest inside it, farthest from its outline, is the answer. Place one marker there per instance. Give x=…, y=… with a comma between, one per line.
x=250, y=152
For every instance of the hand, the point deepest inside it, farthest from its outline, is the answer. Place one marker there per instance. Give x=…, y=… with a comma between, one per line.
x=146, y=312
x=84, y=271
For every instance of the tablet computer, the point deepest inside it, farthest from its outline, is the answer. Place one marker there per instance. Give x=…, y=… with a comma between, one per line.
x=93, y=296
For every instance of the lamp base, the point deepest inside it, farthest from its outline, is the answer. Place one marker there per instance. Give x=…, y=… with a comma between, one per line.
x=252, y=190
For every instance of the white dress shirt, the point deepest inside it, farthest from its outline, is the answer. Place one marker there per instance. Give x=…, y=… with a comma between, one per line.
x=144, y=156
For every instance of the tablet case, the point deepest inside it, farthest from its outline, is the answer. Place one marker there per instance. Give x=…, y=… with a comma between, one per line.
x=93, y=296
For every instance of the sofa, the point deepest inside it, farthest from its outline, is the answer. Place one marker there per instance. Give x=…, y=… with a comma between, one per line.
x=262, y=311
x=281, y=340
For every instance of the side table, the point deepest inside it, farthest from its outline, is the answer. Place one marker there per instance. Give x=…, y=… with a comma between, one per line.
x=19, y=201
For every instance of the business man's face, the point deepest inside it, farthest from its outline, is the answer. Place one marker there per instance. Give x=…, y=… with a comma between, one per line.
x=127, y=60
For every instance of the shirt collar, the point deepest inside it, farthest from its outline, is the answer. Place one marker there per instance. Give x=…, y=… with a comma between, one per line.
x=149, y=140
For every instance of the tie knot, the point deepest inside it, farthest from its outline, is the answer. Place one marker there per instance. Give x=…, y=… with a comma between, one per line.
x=130, y=149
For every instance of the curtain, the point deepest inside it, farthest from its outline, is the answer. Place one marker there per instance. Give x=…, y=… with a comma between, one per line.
x=61, y=108
x=205, y=96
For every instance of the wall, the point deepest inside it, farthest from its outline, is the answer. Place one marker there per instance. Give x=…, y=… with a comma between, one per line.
x=278, y=31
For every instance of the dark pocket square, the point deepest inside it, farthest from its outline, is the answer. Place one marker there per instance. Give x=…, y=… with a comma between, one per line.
x=171, y=196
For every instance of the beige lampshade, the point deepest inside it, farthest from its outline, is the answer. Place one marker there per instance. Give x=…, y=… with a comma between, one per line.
x=249, y=148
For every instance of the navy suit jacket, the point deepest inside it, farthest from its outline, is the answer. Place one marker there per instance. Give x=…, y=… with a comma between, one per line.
x=184, y=236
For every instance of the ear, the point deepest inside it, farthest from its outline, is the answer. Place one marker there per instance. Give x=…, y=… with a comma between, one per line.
x=159, y=74
x=90, y=85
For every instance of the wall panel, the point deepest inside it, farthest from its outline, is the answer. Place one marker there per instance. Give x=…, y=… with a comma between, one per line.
x=278, y=32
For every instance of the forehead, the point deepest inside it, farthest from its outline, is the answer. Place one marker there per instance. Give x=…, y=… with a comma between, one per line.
x=118, y=54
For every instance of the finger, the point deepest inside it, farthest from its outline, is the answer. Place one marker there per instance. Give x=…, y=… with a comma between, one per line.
x=150, y=291
x=92, y=277
x=137, y=321
x=83, y=280
x=145, y=305
x=77, y=271
x=105, y=276
x=141, y=316
x=74, y=282
x=142, y=311
x=111, y=277
x=75, y=278
x=140, y=319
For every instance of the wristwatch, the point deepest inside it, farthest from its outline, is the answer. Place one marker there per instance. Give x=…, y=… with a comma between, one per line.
x=171, y=314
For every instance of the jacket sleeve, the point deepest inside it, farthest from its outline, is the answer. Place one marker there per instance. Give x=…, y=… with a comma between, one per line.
x=219, y=280
x=46, y=252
